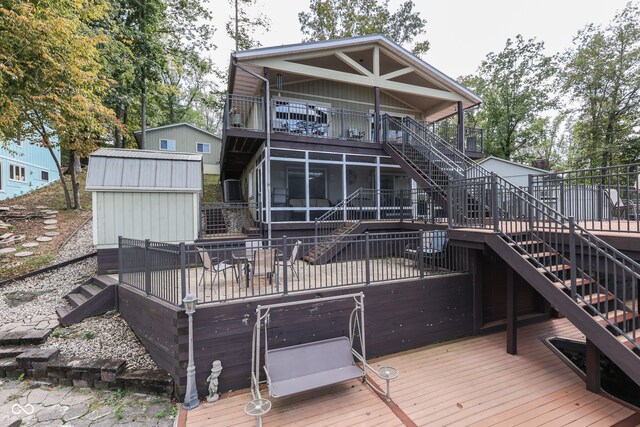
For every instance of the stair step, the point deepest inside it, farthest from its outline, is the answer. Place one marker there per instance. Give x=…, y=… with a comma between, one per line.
x=628, y=343
x=554, y=268
x=617, y=317
x=76, y=299
x=595, y=299
x=526, y=243
x=567, y=283
x=539, y=255
x=63, y=311
x=89, y=290
x=104, y=280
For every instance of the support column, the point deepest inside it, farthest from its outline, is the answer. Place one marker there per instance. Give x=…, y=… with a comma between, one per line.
x=376, y=113
x=512, y=319
x=460, y=127
x=593, y=367
x=478, y=273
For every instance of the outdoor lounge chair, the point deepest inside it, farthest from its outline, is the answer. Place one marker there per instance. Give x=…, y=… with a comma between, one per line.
x=209, y=266
x=293, y=257
x=263, y=264
x=434, y=245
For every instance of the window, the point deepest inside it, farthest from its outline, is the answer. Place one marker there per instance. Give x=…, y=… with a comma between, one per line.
x=202, y=147
x=168, y=144
x=44, y=175
x=17, y=173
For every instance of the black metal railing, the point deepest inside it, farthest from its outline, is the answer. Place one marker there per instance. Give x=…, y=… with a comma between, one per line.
x=599, y=198
x=227, y=218
x=244, y=112
x=367, y=204
x=447, y=131
x=253, y=268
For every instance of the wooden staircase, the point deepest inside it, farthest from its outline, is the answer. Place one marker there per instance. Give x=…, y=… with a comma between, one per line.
x=597, y=313
x=330, y=245
x=96, y=296
x=214, y=220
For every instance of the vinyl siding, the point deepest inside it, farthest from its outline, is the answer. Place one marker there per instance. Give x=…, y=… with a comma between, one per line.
x=186, y=139
x=34, y=159
x=163, y=217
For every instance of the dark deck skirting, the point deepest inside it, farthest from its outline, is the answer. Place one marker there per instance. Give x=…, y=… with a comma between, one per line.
x=399, y=316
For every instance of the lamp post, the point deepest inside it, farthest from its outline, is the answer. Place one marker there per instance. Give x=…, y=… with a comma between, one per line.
x=191, y=400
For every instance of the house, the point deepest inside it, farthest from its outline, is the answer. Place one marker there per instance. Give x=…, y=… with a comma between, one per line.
x=515, y=173
x=185, y=138
x=24, y=167
x=338, y=151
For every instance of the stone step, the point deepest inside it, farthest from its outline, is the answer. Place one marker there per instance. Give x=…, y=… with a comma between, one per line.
x=24, y=336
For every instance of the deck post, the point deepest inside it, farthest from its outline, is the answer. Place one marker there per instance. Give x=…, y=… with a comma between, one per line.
x=593, y=367
x=367, y=255
x=460, y=112
x=531, y=198
x=119, y=259
x=376, y=112
x=494, y=202
x=450, y=203
x=285, y=265
x=421, y=253
x=183, y=270
x=512, y=319
x=572, y=257
x=147, y=268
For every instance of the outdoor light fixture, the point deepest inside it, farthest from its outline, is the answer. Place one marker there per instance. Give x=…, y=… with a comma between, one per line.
x=191, y=400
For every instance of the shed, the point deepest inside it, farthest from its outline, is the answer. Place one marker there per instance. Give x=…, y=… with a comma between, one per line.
x=516, y=173
x=185, y=138
x=143, y=195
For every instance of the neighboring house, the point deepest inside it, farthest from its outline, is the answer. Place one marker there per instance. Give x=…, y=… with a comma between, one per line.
x=325, y=138
x=185, y=138
x=515, y=173
x=24, y=167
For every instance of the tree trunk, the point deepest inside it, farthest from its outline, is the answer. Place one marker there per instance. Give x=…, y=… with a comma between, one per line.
x=75, y=167
x=125, y=121
x=143, y=111
x=117, y=138
x=67, y=197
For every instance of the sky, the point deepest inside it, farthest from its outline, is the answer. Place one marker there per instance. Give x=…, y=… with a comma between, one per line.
x=461, y=33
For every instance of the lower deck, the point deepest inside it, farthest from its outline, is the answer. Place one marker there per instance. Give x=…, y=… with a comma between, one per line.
x=470, y=381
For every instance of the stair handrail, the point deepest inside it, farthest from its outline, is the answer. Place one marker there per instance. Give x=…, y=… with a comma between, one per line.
x=603, y=249
x=320, y=223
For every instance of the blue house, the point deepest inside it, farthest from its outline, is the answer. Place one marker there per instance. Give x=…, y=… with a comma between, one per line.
x=24, y=167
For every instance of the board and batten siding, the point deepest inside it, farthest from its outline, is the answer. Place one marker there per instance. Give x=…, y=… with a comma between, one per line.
x=186, y=139
x=161, y=216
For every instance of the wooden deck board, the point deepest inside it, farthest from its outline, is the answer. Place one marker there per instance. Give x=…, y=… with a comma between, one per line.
x=464, y=382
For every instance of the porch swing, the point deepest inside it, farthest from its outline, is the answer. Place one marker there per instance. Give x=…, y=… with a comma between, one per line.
x=303, y=367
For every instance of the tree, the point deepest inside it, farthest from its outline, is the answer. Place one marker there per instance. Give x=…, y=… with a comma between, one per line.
x=51, y=85
x=515, y=87
x=241, y=27
x=332, y=19
x=602, y=76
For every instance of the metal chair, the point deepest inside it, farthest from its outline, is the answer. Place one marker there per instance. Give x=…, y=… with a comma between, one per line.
x=293, y=257
x=209, y=266
x=434, y=245
x=263, y=264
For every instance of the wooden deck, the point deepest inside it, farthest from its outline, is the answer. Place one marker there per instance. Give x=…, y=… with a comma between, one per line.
x=465, y=382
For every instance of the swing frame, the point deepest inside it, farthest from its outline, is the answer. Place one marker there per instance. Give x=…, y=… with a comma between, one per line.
x=260, y=406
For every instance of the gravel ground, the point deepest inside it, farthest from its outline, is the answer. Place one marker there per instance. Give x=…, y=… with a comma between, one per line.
x=80, y=244
x=106, y=336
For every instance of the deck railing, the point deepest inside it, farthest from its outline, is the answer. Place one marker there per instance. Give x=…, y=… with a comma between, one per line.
x=599, y=198
x=232, y=270
x=473, y=137
x=228, y=218
x=367, y=204
x=244, y=112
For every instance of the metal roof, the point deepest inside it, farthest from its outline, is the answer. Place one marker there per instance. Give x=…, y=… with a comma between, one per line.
x=173, y=125
x=115, y=169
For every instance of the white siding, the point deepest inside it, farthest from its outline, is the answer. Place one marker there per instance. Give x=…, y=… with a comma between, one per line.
x=517, y=175
x=164, y=217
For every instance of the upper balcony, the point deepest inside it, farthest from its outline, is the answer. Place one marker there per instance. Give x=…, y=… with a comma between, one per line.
x=309, y=121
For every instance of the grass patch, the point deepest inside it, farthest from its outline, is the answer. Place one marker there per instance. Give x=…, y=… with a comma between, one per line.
x=118, y=413
x=52, y=195
x=57, y=333
x=88, y=335
x=212, y=190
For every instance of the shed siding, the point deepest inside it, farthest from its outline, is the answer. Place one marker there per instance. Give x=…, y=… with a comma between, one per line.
x=164, y=217
x=515, y=174
x=186, y=139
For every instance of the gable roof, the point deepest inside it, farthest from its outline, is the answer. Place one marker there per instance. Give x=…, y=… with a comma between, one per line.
x=137, y=133
x=304, y=57
x=126, y=170
x=509, y=162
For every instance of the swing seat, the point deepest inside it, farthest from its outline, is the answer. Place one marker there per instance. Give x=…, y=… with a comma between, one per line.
x=308, y=366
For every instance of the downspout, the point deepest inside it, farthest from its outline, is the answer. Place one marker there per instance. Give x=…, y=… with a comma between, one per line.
x=267, y=158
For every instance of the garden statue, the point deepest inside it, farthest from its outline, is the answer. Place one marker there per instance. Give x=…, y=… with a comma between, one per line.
x=216, y=368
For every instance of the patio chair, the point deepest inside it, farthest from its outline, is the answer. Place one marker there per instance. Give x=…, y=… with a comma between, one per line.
x=293, y=257
x=263, y=264
x=209, y=266
x=434, y=245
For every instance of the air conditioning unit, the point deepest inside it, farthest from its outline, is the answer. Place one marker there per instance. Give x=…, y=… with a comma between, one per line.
x=232, y=190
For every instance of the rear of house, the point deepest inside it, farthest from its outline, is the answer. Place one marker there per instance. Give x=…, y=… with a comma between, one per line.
x=24, y=167
x=185, y=138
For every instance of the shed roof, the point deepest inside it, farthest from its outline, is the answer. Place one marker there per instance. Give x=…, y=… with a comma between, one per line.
x=116, y=169
x=509, y=162
x=138, y=133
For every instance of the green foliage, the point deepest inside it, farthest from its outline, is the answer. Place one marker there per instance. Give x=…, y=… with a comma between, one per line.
x=21, y=377
x=602, y=76
x=332, y=19
x=88, y=335
x=516, y=88
x=241, y=27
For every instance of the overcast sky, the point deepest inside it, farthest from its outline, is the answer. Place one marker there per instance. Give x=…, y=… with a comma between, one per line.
x=461, y=33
